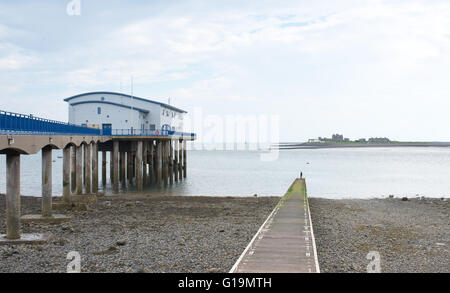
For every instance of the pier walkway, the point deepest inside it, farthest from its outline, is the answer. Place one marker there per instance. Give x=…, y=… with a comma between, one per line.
x=285, y=242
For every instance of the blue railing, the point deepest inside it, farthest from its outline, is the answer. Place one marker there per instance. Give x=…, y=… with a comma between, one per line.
x=147, y=132
x=14, y=123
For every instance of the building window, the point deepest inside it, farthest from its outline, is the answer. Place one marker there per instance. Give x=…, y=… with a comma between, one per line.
x=103, y=98
x=99, y=110
x=152, y=127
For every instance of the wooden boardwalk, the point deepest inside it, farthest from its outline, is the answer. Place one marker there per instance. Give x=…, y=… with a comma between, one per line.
x=285, y=242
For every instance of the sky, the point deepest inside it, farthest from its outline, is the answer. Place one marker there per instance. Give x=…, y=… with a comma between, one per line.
x=361, y=68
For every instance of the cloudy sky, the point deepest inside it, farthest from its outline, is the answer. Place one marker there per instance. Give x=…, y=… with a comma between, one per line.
x=361, y=68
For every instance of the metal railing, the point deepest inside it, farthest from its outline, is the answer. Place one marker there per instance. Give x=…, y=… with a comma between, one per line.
x=147, y=132
x=14, y=123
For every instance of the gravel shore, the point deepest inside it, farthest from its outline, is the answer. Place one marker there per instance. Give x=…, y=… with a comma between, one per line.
x=138, y=233
x=410, y=235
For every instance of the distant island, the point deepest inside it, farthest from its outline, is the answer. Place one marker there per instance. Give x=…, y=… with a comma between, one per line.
x=338, y=140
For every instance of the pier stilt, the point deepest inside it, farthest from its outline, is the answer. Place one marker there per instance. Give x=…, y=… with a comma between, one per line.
x=94, y=168
x=170, y=147
x=111, y=167
x=151, y=161
x=79, y=170
x=180, y=161
x=73, y=169
x=66, y=174
x=159, y=152
x=165, y=162
x=47, y=215
x=139, y=171
x=47, y=182
x=115, y=163
x=144, y=162
x=104, y=168
x=175, y=161
x=184, y=159
x=13, y=235
x=130, y=166
x=87, y=168
x=122, y=168
x=13, y=196
x=85, y=154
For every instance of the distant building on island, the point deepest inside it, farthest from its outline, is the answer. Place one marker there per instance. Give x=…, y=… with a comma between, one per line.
x=341, y=138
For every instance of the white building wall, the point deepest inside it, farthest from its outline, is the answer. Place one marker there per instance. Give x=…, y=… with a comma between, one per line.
x=120, y=117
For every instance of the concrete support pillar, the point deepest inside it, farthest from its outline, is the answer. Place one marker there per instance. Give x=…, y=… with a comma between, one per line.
x=115, y=163
x=171, y=167
x=175, y=161
x=79, y=170
x=111, y=167
x=180, y=161
x=66, y=174
x=73, y=169
x=104, y=168
x=139, y=171
x=144, y=162
x=47, y=182
x=13, y=196
x=94, y=168
x=130, y=167
x=159, y=162
x=152, y=162
x=165, y=162
x=85, y=152
x=122, y=168
x=184, y=159
x=87, y=168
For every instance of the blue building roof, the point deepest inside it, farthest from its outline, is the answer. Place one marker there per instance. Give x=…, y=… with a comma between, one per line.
x=126, y=96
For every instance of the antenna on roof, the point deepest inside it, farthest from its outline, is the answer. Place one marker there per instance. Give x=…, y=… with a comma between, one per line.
x=131, y=96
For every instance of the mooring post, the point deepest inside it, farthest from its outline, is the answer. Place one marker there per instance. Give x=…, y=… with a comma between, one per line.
x=79, y=170
x=159, y=162
x=104, y=168
x=139, y=173
x=175, y=161
x=66, y=174
x=13, y=196
x=87, y=168
x=170, y=147
x=94, y=167
x=73, y=168
x=144, y=162
x=115, y=162
x=47, y=182
x=184, y=159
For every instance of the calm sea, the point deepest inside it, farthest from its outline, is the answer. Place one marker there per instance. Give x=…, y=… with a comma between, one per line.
x=332, y=173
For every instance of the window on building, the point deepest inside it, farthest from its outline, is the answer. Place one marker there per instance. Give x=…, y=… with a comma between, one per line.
x=152, y=127
x=99, y=110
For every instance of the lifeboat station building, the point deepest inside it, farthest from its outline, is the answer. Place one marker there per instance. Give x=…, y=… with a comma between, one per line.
x=121, y=114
